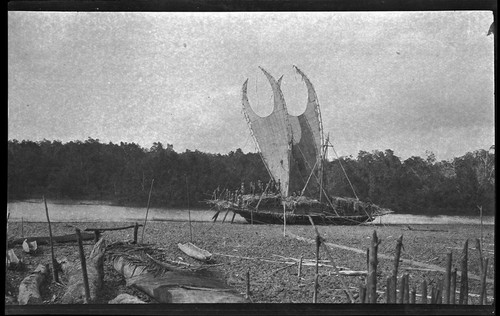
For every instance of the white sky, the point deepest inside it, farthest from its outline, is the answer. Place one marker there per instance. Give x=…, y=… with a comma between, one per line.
x=407, y=81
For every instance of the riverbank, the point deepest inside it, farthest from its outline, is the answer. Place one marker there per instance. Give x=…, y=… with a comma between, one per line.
x=263, y=251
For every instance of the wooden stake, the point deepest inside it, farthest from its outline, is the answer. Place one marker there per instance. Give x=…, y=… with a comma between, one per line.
x=330, y=257
x=189, y=212
x=284, y=220
x=439, y=292
x=480, y=252
x=399, y=245
x=318, y=242
x=147, y=211
x=453, y=286
x=367, y=259
x=464, y=286
x=55, y=265
x=388, y=292
x=84, y=266
x=372, y=272
x=406, y=297
x=22, y=227
x=433, y=294
x=248, y=284
x=413, y=295
x=402, y=287
x=362, y=293
x=136, y=230
x=447, y=279
x=482, y=296
x=424, y=292
x=299, y=273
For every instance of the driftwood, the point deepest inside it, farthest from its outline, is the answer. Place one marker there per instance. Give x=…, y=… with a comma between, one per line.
x=195, y=252
x=169, y=286
x=126, y=299
x=12, y=261
x=29, y=290
x=30, y=247
x=46, y=240
x=177, y=287
x=75, y=293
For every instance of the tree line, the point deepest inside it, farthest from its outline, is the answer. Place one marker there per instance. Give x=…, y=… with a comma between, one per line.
x=123, y=174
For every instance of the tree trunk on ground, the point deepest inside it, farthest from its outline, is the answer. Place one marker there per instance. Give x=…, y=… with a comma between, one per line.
x=29, y=290
x=75, y=293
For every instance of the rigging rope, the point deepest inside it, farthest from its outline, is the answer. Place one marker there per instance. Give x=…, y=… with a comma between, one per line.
x=345, y=173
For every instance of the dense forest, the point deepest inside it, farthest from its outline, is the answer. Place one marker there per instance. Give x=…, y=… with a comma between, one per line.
x=123, y=174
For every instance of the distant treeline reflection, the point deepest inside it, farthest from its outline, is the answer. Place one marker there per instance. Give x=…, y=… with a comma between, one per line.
x=122, y=173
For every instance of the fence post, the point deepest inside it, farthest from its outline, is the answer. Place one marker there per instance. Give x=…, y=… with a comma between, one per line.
x=388, y=292
x=84, y=266
x=482, y=296
x=453, y=287
x=413, y=295
x=424, y=292
x=464, y=284
x=399, y=245
x=439, y=292
x=362, y=293
x=136, y=230
x=372, y=272
x=406, y=297
x=402, y=287
x=447, y=279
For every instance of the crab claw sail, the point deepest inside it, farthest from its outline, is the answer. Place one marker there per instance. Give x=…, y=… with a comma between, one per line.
x=307, y=142
x=289, y=145
x=271, y=133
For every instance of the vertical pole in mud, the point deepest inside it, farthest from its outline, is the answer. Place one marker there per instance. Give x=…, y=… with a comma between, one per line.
x=22, y=227
x=482, y=296
x=424, y=292
x=406, y=297
x=447, y=279
x=464, y=286
x=299, y=273
x=453, y=287
x=315, y=297
x=189, y=212
x=372, y=272
x=362, y=293
x=136, y=230
x=402, y=287
x=284, y=220
x=147, y=211
x=54, y=262
x=248, y=284
x=399, y=245
x=388, y=292
x=413, y=295
x=84, y=266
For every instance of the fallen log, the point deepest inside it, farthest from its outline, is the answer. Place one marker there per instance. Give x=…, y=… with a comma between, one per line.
x=29, y=289
x=46, y=240
x=185, y=287
x=75, y=293
x=167, y=286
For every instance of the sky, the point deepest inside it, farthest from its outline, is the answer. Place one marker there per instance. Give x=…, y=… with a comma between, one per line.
x=412, y=82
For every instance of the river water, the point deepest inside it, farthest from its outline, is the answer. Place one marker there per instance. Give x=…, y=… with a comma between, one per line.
x=34, y=211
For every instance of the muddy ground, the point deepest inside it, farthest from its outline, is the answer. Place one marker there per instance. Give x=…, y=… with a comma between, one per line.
x=262, y=250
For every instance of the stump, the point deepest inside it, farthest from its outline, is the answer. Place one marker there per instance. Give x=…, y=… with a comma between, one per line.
x=75, y=293
x=29, y=289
